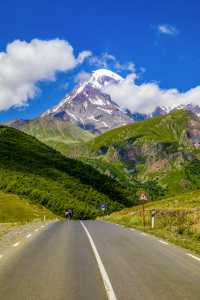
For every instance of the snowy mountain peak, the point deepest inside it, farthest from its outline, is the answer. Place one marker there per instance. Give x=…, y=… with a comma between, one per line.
x=98, y=74
x=100, y=78
x=89, y=107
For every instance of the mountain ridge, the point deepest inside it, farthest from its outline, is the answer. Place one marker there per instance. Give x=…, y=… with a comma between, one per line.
x=93, y=90
x=90, y=108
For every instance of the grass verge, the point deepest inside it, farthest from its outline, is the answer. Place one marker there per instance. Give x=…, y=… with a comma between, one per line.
x=14, y=209
x=177, y=219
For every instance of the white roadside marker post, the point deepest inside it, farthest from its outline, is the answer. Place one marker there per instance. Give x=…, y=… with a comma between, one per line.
x=153, y=215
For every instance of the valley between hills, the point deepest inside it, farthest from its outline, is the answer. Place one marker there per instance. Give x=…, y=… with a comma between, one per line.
x=56, y=163
x=99, y=150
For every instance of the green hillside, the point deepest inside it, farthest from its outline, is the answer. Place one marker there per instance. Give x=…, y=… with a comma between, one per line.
x=159, y=155
x=16, y=209
x=35, y=171
x=167, y=129
x=165, y=149
x=55, y=132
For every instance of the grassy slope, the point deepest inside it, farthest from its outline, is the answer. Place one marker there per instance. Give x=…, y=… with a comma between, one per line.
x=167, y=132
x=37, y=172
x=56, y=132
x=158, y=147
x=177, y=219
x=16, y=209
x=160, y=129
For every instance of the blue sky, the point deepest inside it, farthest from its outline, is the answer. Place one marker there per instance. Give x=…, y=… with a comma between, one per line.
x=160, y=36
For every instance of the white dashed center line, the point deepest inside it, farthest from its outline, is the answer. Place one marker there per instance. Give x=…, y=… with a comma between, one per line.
x=193, y=256
x=27, y=236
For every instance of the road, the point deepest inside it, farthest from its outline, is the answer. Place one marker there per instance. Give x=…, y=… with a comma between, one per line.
x=96, y=260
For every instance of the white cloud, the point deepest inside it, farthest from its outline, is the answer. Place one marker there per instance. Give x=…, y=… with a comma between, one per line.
x=82, y=76
x=102, y=60
x=83, y=55
x=107, y=61
x=129, y=67
x=144, y=98
x=167, y=29
x=24, y=64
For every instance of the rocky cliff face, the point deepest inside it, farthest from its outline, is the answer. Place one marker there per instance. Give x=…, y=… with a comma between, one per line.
x=159, y=148
x=193, y=132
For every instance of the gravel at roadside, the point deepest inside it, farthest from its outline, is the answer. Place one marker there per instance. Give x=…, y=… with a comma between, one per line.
x=11, y=233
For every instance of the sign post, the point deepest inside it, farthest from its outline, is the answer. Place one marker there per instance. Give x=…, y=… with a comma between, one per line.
x=103, y=207
x=143, y=199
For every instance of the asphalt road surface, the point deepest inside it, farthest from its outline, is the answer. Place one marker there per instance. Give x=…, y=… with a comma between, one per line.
x=95, y=260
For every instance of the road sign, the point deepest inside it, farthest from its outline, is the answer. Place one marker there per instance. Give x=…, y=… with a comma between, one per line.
x=143, y=196
x=103, y=206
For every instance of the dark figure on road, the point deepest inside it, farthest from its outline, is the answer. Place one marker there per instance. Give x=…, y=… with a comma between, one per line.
x=69, y=214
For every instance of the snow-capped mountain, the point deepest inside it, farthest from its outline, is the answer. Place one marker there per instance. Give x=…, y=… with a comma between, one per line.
x=191, y=107
x=163, y=110
x=92, y=109
x=89, y=107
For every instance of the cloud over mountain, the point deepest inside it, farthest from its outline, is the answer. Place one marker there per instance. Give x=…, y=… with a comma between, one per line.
x=106, y=60
x=145, y=97
x=25, y=64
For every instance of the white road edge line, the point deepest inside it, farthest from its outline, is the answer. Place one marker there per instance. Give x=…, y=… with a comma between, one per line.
x=163, y=242
x=193, y=256
x=107, y=284
x=29, y=235
x=16, y=244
